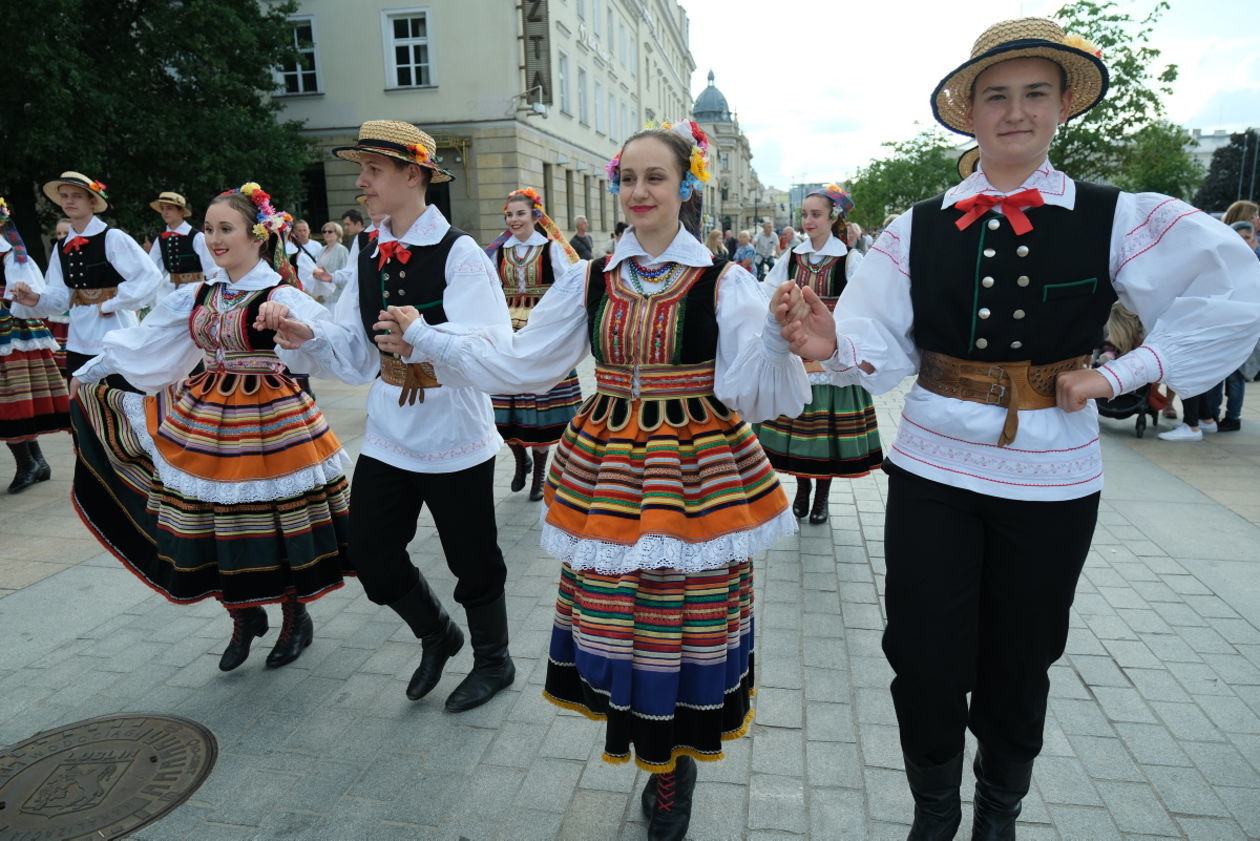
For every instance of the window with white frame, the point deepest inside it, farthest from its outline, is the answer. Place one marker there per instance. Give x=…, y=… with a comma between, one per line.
x=300, y=74
x=408, y=59
x=581, y=9
x=625, y=44
x=634, y=58
x=562, y=80
x=613, y=130
x=597, y=17
x=583, y=113
x=612, y=33
x=599, y=106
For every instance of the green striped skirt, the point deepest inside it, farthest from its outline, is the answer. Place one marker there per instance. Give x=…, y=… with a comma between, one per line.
x=836, y=436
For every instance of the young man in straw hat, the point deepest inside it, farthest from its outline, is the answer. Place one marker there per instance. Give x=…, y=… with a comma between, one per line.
x=994, y=294
x=426, y=443
x=99, y=273
x=179, y=251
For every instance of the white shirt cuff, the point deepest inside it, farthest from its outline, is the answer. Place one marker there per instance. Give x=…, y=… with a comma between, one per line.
x=1135, y=369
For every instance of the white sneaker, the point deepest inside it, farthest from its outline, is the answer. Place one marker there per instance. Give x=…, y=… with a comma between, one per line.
x=1182, y=432
x=1207, y=426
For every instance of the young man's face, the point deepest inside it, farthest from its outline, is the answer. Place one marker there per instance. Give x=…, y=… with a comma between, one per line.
x=388, y=187
x=1015, y=108
x=351, y=227
x=172, y=214
x=302, y=232
x=75, y=202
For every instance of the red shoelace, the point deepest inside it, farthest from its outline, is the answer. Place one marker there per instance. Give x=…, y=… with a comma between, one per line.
x=666, y=787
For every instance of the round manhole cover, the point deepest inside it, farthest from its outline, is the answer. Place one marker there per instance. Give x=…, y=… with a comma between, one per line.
x=102, y=778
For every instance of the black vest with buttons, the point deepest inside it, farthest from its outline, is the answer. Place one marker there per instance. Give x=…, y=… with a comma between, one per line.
x=988, y=295
x=178, y=256
x=87, y=267
x=365, y=239
x=420, y=282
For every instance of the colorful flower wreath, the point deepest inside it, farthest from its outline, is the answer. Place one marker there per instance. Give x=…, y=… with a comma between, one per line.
x=269, y=220
x=698, y=173
x=419, y=153
x=530, y=193
x=1079, y=42
x=5, y=215
x=99, y=186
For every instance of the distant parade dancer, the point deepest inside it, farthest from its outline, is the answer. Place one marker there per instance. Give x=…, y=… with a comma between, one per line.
x=179, y=252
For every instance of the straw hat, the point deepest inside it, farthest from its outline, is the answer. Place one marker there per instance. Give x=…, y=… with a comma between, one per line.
x=1024, y=38
x=968, y=162
x=96, y=189
x=176, y=199
x=399, y=140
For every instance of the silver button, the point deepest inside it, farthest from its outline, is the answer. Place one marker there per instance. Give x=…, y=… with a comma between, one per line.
x=1018, y=314
x=402, y=293
x=1022, y=251
x=984, y=312
x=385, y=276
x=1016, y=345
x=989, y=252
x=982, y=343
x=1023, y=280
x=987, y=283
x=386, y=293
x=994, y=224
x=402, y=273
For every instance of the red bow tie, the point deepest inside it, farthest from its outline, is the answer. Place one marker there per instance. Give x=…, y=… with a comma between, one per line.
x=392, y=250
x=373, y=234
x=74, y=244
x=169, y=234
x=1012, y=206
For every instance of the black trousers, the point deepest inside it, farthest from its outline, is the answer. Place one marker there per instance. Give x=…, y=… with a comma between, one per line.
x=978, y=594
x=76, y=360
x=385, y=502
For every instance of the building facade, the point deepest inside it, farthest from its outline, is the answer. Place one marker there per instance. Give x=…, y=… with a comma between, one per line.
x=539, y=94
x=734, y=198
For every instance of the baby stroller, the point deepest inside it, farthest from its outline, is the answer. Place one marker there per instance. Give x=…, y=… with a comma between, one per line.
x=1125, y=331
x=1127, y=405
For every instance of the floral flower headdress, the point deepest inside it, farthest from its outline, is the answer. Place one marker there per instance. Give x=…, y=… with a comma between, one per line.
x=697, y=174
x=841, y=204
x=10, y=232
x=269, y=220
x=1080, y=42
x=530, y=193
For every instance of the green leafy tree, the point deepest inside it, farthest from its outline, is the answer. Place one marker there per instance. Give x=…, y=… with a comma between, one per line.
x=145, y=95
x=1233, y=174
x=917, y=169
x=1157, y=159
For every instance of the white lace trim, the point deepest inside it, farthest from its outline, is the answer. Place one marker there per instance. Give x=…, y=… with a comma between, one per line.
x=230, y=493
x=655, y=551
x=28, y=345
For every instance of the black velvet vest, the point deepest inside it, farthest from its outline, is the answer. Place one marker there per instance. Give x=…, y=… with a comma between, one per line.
x=260, y=340
x=87, y=266
x=420, y=282
x=985, y=294
x=178, y=256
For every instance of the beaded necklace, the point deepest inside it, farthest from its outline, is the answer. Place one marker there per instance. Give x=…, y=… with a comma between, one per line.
x=666, y=273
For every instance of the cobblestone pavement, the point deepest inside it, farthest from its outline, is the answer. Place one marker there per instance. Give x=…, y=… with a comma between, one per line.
x=1153, y=732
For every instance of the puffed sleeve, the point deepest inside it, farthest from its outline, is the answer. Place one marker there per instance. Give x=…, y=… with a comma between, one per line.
x=498, y=361
x=140, y=276
x=851, y=265
x=155, y=354
x=54, y=295
x=23, y=270
x=1194, y=284
x=340, y=348
x=875, y=316
x=755, y=372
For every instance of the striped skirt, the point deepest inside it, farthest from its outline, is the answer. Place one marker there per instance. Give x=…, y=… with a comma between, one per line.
x=836, y=436
x=664, y=658
x=537, y=420
x=33, y=397
x=231, y=487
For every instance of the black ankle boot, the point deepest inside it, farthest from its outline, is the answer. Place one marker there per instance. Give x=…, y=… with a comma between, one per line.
x=31, y=467
x=522, y=466
x=440, y=638
x=295, y=634
x=667, y=801
x=937, y=805
x=247, y=623
x=540, y=474
x=492, y=669
x=818, y=515
x=800, y=505
x=1000, y=788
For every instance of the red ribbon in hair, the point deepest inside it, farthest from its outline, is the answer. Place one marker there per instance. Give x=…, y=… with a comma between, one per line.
x=74, y=244
x=1012, y=206
x=392, y=250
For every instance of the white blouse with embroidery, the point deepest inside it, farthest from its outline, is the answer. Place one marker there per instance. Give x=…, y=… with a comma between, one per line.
x=1192, y=281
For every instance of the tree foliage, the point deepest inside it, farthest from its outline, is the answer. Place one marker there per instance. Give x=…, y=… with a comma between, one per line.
x=1233, y=173
x=1158, y=160
x=915, y=170
x=145, y=95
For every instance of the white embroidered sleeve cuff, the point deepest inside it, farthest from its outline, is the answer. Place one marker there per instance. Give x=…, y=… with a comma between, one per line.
x=1135, y=369
x=845, y=357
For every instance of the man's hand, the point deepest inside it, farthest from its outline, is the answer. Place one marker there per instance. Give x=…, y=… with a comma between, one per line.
x=321, y=274
x=808, y=326
x=75, y=385
x=391, y=339
x=23, y=294
x=1074, y=389
x=291, y=334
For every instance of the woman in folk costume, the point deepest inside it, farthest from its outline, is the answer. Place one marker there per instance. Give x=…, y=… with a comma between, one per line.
x=836, y=436
x=33, y=399
x=530, y=256
x=227, y=483
x=659, y=493
x=994, y=479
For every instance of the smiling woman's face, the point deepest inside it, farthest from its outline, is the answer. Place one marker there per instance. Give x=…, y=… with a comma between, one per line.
x=650, y=179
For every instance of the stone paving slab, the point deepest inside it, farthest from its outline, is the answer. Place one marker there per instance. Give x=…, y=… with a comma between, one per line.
x=1153, y=728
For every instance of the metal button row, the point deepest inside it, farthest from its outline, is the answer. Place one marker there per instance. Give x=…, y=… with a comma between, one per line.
x=983, y=343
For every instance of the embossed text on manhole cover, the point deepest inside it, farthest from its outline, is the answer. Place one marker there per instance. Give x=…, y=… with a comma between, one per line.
x=102, y=778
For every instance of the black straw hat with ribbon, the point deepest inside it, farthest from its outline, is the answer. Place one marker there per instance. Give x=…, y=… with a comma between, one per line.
x=399, y=140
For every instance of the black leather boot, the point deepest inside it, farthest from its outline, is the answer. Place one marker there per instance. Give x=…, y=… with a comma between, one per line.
x=522, y=466
x=492, y=669
x=937, y=805
x=800, y=505
x=247, y=623
x=295, y=634
x=440, y=638
x=1000, y=788
x=31, y=467
x=667, y=801
x=818, y=515
x=540, y=474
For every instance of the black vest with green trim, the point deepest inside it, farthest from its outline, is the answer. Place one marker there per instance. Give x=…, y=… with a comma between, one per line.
x=987, y=295
x=87, y=267
x=699, y=329
x=178, y=254
x=420, y=282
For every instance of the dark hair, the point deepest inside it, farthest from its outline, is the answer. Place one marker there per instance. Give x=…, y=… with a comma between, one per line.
x=838, y=229
x=354, y=216
x=619, y=228
x=689, y=211
x=243, y=205
x=526, y=200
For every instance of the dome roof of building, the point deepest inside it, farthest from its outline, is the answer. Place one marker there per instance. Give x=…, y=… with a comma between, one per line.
x=710, y=106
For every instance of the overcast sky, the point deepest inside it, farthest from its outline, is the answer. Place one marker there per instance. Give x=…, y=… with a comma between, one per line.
x=818, y=85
